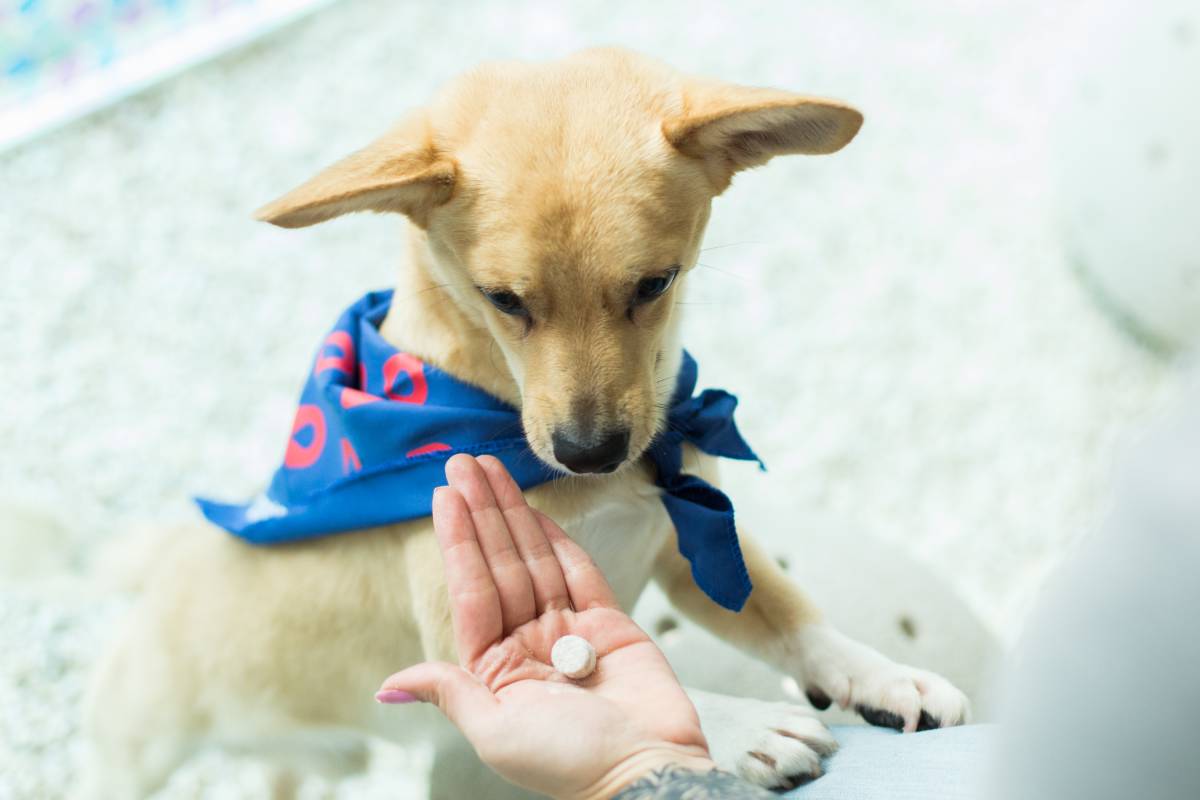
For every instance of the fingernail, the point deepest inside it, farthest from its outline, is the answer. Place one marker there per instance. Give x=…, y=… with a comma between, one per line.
x=395, y=697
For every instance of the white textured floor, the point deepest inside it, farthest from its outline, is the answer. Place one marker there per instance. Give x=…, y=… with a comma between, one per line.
x=912, y=353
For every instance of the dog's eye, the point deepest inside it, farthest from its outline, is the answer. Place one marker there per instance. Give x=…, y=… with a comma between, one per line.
x=650, y=288
x=506, y=302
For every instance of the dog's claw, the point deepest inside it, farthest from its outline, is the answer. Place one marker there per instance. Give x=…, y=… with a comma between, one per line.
x=880, y=717
x=820, y=701
x=928, y=722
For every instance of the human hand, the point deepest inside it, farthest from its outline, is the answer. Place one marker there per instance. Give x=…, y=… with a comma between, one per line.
x=517, y=584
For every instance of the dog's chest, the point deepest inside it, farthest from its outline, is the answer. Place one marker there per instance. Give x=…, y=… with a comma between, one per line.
x=621, y=522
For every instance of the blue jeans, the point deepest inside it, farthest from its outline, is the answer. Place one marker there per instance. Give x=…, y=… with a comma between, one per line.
x=879, y=764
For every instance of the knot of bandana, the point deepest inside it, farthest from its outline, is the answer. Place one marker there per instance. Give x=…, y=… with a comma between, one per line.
x=375, y=426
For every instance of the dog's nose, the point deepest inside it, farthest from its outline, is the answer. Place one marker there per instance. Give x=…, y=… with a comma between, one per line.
x=604, y=456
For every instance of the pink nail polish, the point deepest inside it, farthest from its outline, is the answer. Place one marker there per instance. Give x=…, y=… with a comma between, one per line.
x=395, y=696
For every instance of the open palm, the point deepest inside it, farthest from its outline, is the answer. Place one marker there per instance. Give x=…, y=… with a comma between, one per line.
x=517, y=584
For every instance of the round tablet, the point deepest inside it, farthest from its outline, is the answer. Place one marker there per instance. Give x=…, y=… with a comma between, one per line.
x=573, y=656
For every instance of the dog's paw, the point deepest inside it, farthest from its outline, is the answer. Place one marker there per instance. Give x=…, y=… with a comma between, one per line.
x=839, y=670
x=775, y=745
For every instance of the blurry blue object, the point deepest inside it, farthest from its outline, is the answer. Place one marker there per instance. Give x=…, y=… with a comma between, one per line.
x=64, y=58
x=880, y=764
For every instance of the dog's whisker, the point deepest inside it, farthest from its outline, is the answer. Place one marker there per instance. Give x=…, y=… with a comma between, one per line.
x=437, y=286
x=729, y=244
x=723, y=271
x=492, y=355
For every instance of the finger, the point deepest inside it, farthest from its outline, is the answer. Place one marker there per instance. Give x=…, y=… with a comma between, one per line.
x=459, y=694
x=474, y=601
x=549, y=587
x=509, y=572
x=584, y=580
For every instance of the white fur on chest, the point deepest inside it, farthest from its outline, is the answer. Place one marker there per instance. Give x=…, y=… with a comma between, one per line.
x=620, y=521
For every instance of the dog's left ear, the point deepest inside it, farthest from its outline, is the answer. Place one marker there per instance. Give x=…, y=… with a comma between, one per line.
x=401, y=172
x=735, y=127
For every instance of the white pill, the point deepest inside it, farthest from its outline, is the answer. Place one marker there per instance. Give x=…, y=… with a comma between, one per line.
x=573, y=656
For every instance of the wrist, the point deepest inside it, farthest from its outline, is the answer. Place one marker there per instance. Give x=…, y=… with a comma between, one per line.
x=643, y=763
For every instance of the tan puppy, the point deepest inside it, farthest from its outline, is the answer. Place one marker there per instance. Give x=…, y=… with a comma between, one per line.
x=555, y=209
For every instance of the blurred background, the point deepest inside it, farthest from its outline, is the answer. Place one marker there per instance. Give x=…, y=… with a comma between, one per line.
x=943, y=337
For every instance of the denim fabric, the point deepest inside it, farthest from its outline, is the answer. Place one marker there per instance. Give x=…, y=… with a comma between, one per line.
x=880, y=764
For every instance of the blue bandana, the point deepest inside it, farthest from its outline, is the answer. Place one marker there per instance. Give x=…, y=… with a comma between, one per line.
x=375, y=426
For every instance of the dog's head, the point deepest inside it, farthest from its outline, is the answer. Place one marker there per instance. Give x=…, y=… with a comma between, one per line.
x=563, y=205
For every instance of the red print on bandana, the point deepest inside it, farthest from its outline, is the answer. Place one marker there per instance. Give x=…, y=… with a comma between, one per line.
x=339, y=340
x=405, y=364
x=353, y=397
x=299, y=456
x=432, y=447
x=350, y=462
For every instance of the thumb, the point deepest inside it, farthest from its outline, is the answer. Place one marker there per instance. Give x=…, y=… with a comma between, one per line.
x=458, y=693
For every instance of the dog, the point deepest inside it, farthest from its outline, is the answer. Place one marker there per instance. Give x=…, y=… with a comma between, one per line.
x=555, y=211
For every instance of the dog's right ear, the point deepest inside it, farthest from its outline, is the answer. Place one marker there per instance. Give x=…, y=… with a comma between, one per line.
x=399, y=172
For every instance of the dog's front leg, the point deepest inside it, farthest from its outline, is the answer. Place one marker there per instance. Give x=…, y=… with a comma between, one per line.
x=781, y=626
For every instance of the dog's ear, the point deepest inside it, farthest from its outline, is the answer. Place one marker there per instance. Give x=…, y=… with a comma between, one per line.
x=401, y=171
x=735, y=127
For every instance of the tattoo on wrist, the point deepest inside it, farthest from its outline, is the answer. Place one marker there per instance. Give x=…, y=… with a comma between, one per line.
x=679, y=783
